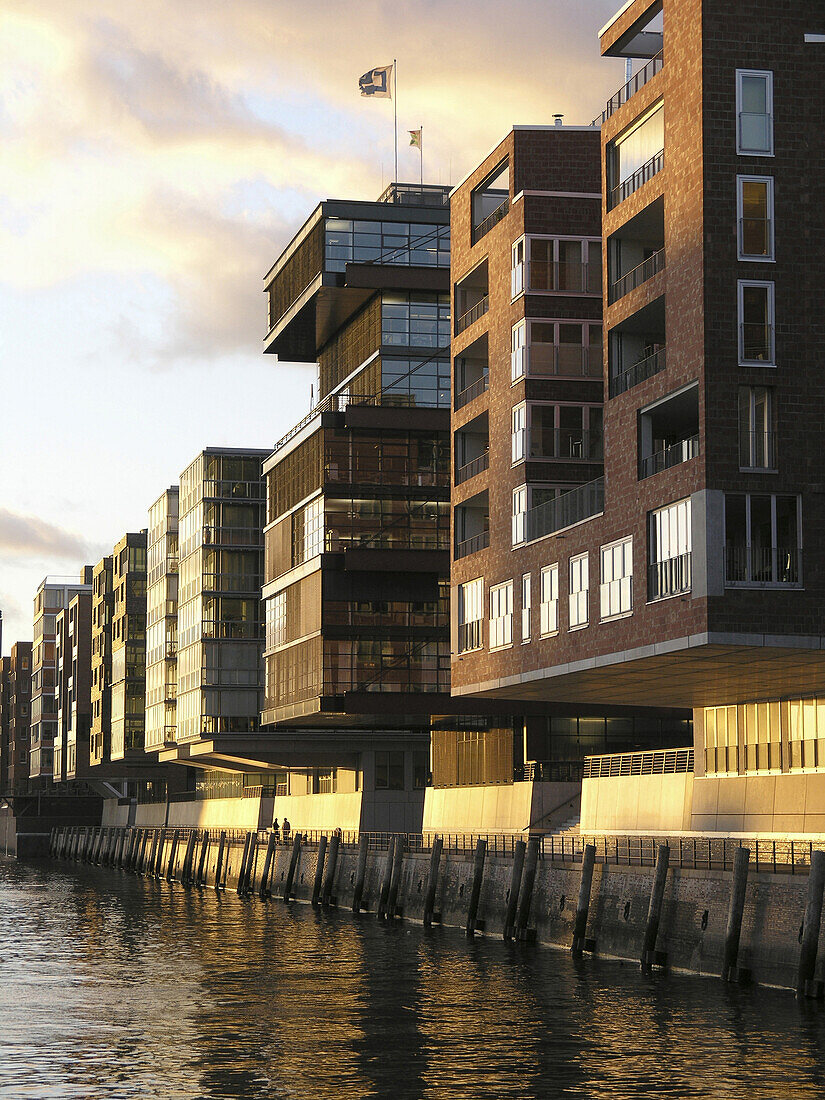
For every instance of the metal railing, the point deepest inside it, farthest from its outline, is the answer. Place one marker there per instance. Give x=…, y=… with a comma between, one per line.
x=634, y=181
x=668, y=457
x=472, y=314
x=487, y=224
x=572, y=277
x=650, y=762
x=469, y=393
x=472, y=545
x=232, y=536
x=579, y=504
x=550, y=771
x=628, y=90
x=762, y=564
x=639, y=372
x=560, y=443
x=549, y=360
x=470, y=469
x=469, y=636
x=638, y=275
x=757, y=450
x=669, y=577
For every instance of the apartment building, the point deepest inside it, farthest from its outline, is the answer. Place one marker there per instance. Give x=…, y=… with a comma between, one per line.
x=73, y=639
x=162, y=621
x=100, y=747
x=15, y=716
x=690, y=577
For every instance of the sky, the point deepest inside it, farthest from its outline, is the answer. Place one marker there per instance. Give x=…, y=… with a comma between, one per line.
x=155, y=158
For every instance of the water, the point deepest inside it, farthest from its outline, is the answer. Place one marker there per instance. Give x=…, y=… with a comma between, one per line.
x=113, y=986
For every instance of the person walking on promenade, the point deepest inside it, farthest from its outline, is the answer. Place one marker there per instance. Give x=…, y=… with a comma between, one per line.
x=276, y=829
x=285, y=830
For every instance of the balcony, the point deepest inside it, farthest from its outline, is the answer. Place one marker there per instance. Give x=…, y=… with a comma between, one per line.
x=640, y=371
x=471, y=372
x=562, y=443
x=472, y=315
x=634, y=85
x=762, y=565
x=638, y=275
x=569, y=508
x=564, y=277
x=669, y=577
x=556, y=360
x=666, y=458
x=487, y=223
x=490, y=201
x=472, y=545
x=637, y=179
x=470, y=469
x=471, y=392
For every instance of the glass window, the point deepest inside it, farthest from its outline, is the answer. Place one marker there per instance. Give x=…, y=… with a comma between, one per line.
x=754, y=109
x=389, y=771
x=755, y=202
x=763, y=542
x=518, y=351
x=756, y=323
x=519, y=532
x=549, y=605
x=519, y=432
x=616, y=590
x=526, y=606
x=470, y=614
x=579, y=589
x=501, y=615
x=517, y=269
x=669, y=572
x=756, y=435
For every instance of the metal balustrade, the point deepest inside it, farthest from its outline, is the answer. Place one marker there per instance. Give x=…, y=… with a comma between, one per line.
x=472, y=545
x=579, y=504
x=669, y=577
x=668, y=457
x=472, y=314
x=471, y=392
x=637, y=179
x=638, y=275
x=628, y=90
x=470, y=469
x=484, y=227
x=640, y=371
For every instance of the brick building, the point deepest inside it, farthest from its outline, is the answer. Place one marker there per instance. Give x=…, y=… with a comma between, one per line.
x=15, y=718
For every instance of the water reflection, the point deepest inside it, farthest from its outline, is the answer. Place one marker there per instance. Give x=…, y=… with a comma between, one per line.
x=118, y=987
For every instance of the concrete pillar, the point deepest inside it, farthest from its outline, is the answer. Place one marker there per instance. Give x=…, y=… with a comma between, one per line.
x=654, y=910
x=432, y=881
x=202, y=862
x=395, y=876
x=329, y=877
x=583, y=904
x=384, y=896
x=475, y=892
x=219, y=867
x=293, y=866
x=515, y=885
x=270, y=855
x=360, y=872
x=810, y=929
x=737, y=907
x=319, y=871
x=528, y=881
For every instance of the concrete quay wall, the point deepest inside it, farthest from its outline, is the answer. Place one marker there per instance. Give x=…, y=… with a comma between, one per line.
x=694, y=911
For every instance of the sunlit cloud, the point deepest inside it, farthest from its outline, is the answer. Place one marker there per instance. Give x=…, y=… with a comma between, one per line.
x=24, y=536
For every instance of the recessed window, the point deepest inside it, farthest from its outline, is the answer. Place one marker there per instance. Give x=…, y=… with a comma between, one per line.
x=501, y=615
x=518, y=351
x=579, y=590
x=763, y=539
x=470, y=614
x=517, y=269
x=755, y=208
x=519, y=515
x=389, y=771
x=564, y=265
x=754, y=112
x=616, y=589
x=756, y=324
x=756, y=435
x=518, y=432
x=669, y=571
x=526, y=606
x=549, y=606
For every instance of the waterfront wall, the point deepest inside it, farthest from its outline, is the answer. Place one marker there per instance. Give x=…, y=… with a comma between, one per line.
x=509, y=807
x=693, y=927
x=637, y=803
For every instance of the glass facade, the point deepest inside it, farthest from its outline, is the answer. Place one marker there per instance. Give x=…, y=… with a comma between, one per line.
x=162, y=621
x=409, y=243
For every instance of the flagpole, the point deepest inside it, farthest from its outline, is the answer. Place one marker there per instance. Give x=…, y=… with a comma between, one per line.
x=395, y=111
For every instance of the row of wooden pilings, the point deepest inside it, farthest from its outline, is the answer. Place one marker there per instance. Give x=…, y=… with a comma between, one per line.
x=141, y=851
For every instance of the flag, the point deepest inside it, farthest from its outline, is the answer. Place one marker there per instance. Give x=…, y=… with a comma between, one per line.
x=415, y=138
x=377, y=82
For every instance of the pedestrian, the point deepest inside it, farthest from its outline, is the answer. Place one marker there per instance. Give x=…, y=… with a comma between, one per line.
x=286, y=829
x=276, y=829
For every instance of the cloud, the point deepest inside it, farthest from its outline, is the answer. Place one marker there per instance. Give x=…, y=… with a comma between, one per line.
x=24, y=536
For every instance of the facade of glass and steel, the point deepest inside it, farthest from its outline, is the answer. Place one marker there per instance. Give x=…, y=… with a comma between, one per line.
x=162, y=621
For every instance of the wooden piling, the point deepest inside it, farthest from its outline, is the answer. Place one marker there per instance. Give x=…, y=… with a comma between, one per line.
x=475, y=890
x=654, y=911
x=153, y=854
x=329, y=876
x=384, y=895
x=737, y=906
x=432, y=881
x=810, y=928
x=173, y=851
x=528, y=880
x=242, y=868
x=360, y=872
x=293, y=866
x=395, y=877
x=519, y=849
x=219, y=865
x=204, y=859
x=263, y=889
x=319, y=871
x=140, y=862
x=583, y=904
x=189, y=854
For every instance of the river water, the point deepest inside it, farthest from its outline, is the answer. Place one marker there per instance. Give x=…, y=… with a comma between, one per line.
x=115, y=986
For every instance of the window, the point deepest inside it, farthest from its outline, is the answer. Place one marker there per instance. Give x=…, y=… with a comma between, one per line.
x=421, y=768
x=517, y=269
x=755, y=209
x=754, y=111
x=756, y=323
x=416, y=320
x=669, y=572
x=470, y=614
x=756, y=436
x=519, y=530
x=566, y=265
x=637, y=154
x=763, y=539
x=526, y=607
x=570, y=349
x=389, y=771
x=616, y=591
x=518, y=351
x=385, y=242
x=579, y=587
x=501, y=615
x=518, y=428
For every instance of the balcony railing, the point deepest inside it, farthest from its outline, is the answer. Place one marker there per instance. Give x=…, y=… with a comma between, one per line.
x=639, y=372
x=762, y=564
x=756, y=342
x=169, y=734
x=469, y=636
x=757, y=450
x=638, y=275
x=472, y=314
x=472, y=545
x=668, y=457
x=230, y=582
x=550, y=360
x=572, y=277
x=628, y=90
x=471, y=392
x=487, y=224
x=549, y=771
x=633, y=182
x=669, y=577
x=470, y=469
x=572, y=507
x=561, y=443
x=232, y=536
x=652, y=762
